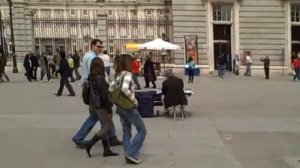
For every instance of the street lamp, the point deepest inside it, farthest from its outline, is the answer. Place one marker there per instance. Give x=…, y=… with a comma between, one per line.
x=15, y=68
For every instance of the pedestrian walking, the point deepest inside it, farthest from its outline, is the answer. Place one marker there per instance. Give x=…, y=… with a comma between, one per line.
x=45, y=67
x=248, y=64
x=105, y=58
x=28, y=67
x=136, y=72
x=92, y=119
x=100, y=104
x=191, y=66
x=266, y=62
x=236, y=65
x=71, y=65
x=56, y=60
x=35, y=65
x=149, y=73
x=64, y=71
x=132, y=116
x=221, y=65
x=296, y=67
x=76, y=59
x=2, y=68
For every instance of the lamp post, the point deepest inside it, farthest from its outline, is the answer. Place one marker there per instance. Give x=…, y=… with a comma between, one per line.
x=1, y=33
x=15, y=68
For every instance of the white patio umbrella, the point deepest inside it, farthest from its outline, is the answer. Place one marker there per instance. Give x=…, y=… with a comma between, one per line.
x=158, y=44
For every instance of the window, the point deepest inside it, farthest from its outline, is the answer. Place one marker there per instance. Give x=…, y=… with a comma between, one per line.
x=295, y=13
x=222, y=12
x=148, y=11
x=72, y=12
x=110, y=12
x=134, y=12
x=85, y=12
x=161, y=12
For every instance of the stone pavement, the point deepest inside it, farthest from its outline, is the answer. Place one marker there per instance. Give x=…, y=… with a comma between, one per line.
x=237, y=122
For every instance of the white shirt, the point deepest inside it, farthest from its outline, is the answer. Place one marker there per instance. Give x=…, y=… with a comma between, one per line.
x=106, y=60
x=248, y=59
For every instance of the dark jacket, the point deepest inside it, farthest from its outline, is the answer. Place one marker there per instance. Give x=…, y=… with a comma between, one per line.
x=35, y=61
x=222, y=60
x=27, y=65
x=149, y=71
x=64, y=68
x=172, y=89
x=76, y=59
x=100, y=89
x=266, y=62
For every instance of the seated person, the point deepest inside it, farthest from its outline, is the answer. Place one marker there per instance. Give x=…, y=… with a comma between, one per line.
x=172, y=89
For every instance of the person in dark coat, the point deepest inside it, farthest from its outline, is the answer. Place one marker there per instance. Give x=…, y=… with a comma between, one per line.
x=221, y=65
x=28, y=67
x=149, y=73
x=64, y=71
x=173, y=92
x=76, y=59
x=35, y=65
x=2, y=67
x=266, y=62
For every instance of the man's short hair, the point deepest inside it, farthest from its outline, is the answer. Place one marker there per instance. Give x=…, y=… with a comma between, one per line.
x=168, y=73
x=95, y=41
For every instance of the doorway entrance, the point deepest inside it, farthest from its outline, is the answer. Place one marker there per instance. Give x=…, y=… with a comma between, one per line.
x=222, y=44
x=296, y=39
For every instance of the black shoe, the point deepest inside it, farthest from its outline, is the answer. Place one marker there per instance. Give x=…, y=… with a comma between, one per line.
x=56, y=94
x=79, y=144
x=89, y=144
x=107, y=152
x=146, y=87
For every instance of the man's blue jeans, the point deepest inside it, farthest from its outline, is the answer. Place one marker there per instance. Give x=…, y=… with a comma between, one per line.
x=88, y=125
x=136, y=81
x=128, y=117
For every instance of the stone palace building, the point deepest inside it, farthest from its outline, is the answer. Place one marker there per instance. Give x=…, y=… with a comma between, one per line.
x=203, y=28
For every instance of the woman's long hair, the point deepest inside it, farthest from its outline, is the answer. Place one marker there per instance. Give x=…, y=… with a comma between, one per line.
x=190, y=59
x=97, y=68
x=124, y=63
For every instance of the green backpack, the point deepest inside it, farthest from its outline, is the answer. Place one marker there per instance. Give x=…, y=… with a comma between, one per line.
x=118, y=98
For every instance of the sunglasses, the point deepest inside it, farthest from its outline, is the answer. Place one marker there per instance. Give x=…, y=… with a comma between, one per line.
x=100, y=46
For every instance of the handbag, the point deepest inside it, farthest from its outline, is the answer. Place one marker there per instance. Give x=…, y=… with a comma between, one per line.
x=118, y=98
x=86, y=91
x=94, y=99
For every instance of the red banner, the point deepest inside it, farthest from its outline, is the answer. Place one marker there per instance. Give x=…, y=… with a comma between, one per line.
x=191, y=48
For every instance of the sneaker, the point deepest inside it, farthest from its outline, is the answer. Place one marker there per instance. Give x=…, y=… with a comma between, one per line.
x=131, y=160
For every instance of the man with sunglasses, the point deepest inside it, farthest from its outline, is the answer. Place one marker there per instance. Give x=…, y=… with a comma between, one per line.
x=87, y=126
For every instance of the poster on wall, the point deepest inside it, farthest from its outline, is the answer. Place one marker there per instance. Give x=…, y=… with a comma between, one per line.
x=191, y=48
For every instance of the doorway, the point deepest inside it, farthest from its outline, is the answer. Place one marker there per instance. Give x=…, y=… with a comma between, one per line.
x=296, y=39
x=222, y=44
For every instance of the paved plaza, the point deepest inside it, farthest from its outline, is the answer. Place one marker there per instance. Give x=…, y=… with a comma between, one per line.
x=237, y=122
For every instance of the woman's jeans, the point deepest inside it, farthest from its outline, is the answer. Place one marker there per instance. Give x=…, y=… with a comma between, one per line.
x=88, y=125
x=128, y=117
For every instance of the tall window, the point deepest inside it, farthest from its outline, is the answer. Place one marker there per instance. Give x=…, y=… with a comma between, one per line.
x=222, y=12
x=295, y=13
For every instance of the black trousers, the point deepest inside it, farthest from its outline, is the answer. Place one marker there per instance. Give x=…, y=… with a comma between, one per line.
x=191, y=75
x=34, y=73
x=65, y=82
x=267, y=72
x=47, y=73
x=29, y=74
x=147, y=82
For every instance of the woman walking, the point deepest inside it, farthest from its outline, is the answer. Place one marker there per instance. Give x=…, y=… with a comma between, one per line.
x=191, y=65
x=149, y=73
x=101, y=105
x=45, y=67
x=28, y=67
x=132, y=116
x=64, y=71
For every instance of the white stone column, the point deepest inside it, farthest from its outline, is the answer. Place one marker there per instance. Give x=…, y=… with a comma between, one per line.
x=102, y=27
